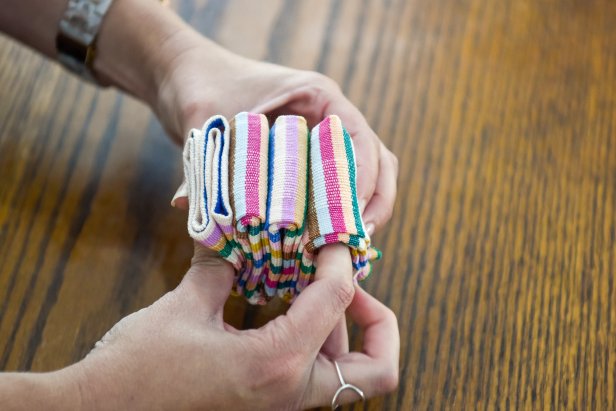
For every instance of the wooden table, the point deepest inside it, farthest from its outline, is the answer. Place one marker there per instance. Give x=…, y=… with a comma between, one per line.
x=500, y=257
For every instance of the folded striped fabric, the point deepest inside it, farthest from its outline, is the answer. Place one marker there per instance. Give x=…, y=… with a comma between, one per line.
x=286, y=205
x=267, y=200
x=206, y=164
x=304, y=267
x=249, y=185
x=333, y=209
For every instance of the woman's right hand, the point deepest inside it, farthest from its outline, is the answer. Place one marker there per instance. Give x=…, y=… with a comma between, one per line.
x=179, y=353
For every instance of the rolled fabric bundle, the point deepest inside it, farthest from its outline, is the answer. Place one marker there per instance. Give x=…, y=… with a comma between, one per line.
x=286, y=202
x=248, y=169
x=210, y=217
x=333, y=210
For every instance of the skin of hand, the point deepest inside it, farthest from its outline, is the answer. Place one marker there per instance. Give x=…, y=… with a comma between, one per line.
x=186, y=78
x=179, y=354
x=197, y=78
x=248, y=85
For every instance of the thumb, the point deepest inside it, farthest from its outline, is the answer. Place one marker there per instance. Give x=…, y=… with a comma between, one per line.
x=209, y=279
x=322, y=304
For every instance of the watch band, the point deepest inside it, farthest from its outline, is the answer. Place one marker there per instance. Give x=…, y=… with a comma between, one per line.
x=77, y=33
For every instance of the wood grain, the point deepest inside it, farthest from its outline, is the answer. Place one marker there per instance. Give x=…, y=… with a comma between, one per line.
x=500, y=257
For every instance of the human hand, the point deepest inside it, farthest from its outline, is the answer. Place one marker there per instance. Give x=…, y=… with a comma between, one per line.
x=179, y=353
x=185, y=78
x=192, y=91
x=204, y=79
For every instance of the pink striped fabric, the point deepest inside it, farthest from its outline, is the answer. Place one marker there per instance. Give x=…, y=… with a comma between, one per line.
x=268, y=200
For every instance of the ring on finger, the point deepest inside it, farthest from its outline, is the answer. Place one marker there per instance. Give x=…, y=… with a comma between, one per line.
x=344, y=386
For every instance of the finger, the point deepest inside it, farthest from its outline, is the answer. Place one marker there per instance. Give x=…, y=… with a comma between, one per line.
x=375, y=370
x=366, y=145
x=330, y=100
x=366, y=158
x=298, y=102
x=209, y=280
x=337, y=342
x=180, y=202
x=381, y=205
x=318, y=308
x=180, y=198
x=367, y=374
x=379, y=325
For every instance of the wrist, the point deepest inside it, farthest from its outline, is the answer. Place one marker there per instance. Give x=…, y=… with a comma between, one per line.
x=51, y=391
x=132, y=46
x=102, y=384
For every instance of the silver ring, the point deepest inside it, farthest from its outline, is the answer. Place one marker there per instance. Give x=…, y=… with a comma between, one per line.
x=344, y=386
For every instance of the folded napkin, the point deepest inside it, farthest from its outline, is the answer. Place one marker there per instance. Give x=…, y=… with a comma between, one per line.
x=210, y=217
x=248, y=193
x=286, y=202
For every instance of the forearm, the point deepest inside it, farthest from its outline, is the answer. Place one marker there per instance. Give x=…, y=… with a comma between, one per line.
x=129, y=43
x=136, y=44
x=132, y=45
x=33, y=391
x=33, y=22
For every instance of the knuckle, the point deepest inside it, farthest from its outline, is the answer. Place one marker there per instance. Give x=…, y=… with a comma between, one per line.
x=385, y=214
x=322, y=81
x=343, y=292
x=194, y=108
x=390, y=315
x=388, y=380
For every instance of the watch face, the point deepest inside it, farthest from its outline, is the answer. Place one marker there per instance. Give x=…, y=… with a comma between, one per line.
x=79, y=16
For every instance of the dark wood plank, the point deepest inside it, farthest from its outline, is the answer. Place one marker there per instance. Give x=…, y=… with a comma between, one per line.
x=499, y=260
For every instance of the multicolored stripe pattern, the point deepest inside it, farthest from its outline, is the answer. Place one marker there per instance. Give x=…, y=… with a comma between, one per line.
x=286, y=205
x=333, y=209
x=304, y=267
x=206, y=163
x=249, y=184
x=267, y=200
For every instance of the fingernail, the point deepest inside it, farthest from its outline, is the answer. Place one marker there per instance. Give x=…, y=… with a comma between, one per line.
x=370, y=229
x=362, y=205
x=182, y=191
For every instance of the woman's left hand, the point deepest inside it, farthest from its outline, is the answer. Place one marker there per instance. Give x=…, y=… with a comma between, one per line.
x=195, y=87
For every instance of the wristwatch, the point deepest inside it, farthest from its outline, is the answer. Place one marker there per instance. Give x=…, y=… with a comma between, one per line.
x=76, y=39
